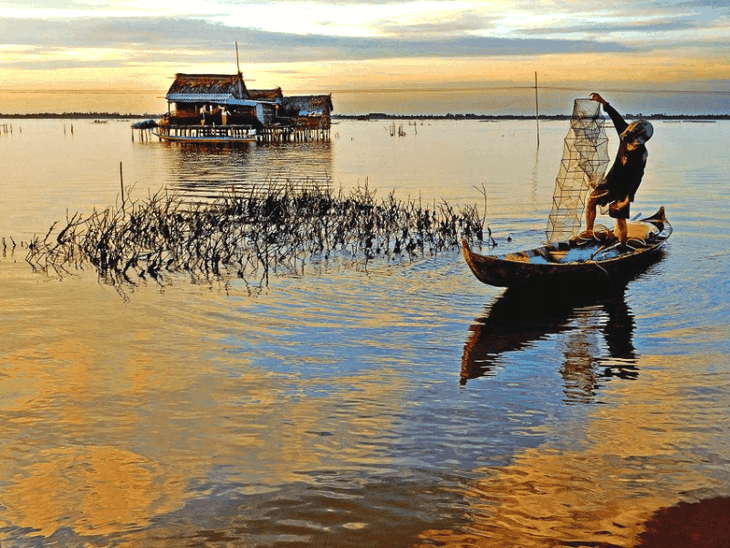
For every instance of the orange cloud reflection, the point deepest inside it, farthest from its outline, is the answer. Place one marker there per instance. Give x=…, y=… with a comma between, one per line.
x=91, y=490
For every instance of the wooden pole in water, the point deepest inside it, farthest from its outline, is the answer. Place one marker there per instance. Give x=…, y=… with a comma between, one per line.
x=537, y=113
x=121, y=182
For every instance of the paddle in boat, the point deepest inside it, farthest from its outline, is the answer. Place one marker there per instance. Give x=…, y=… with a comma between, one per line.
x=600, y=259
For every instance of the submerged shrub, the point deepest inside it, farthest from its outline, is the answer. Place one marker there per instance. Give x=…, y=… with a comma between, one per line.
x=251, y=234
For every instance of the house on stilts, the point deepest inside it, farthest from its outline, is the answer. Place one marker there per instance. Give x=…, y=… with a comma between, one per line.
x=220, y=108
x=309, y=114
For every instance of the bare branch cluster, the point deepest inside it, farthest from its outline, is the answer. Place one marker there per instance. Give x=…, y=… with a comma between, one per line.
x=250, y=235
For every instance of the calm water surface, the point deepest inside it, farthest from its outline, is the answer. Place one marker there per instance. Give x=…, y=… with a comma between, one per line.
x=411, y=101
x=405, y=405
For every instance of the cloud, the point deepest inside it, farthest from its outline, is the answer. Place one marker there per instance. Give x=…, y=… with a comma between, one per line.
x=323, y=36
x=54, y=4
x=465, y=21
x=720, y=4
x=164, y=38
x=110, y=32
x=324, y=3
x=62, y=64
x=599, y=26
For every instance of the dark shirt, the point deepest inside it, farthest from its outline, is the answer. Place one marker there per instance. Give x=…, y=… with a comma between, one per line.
x=625, y=175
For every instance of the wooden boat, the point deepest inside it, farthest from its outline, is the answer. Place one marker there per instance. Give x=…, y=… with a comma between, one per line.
x=594, y=261
x=206, y=134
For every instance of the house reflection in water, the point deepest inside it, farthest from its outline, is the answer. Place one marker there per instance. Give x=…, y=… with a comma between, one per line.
x=514, y=321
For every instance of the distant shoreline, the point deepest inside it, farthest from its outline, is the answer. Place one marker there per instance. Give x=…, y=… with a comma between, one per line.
x=81, y=115
x=372, y=116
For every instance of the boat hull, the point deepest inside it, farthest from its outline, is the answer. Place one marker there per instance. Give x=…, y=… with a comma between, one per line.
x=206, y=139
x=557, y=264
x=206, y=134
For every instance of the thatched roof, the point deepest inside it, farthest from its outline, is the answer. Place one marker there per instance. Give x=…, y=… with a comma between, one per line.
x=306, y=105
x=208, y=88
x=271, y=95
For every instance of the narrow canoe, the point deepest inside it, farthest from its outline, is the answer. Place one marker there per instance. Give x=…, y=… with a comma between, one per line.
x=566, y=263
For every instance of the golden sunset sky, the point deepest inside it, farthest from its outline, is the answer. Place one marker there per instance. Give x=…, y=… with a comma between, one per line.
x=367, y=44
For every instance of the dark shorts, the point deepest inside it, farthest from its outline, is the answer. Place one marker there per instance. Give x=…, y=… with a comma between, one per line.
x=619, y=207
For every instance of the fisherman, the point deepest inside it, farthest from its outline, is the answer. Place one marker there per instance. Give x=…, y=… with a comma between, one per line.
x=617, y=190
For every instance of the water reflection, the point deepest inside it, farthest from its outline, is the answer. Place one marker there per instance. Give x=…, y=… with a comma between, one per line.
x=535, y=178
x=92, y=490
x=193, y=416
x=515, y=321
x=204, y=171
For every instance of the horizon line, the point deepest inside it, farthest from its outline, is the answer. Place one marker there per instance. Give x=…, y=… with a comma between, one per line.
x=389, y=90
x=374, y=115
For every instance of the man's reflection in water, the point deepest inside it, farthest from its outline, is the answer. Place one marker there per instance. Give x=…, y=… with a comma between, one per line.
x=515, y=320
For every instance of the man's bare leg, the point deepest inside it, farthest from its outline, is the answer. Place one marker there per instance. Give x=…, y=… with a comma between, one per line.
x=622, y=230
x=590, y=214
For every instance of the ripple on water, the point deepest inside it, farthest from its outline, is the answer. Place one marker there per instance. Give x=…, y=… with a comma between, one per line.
x=385, y=406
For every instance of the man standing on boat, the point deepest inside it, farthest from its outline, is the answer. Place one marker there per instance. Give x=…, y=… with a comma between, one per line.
x=618, y=188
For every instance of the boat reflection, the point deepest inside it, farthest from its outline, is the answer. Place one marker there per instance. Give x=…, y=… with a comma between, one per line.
x=515, y=321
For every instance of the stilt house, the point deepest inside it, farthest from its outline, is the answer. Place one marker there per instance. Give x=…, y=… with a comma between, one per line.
x=308, y=111
x=216, y=99
x=219, y=108
x=270, y=101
